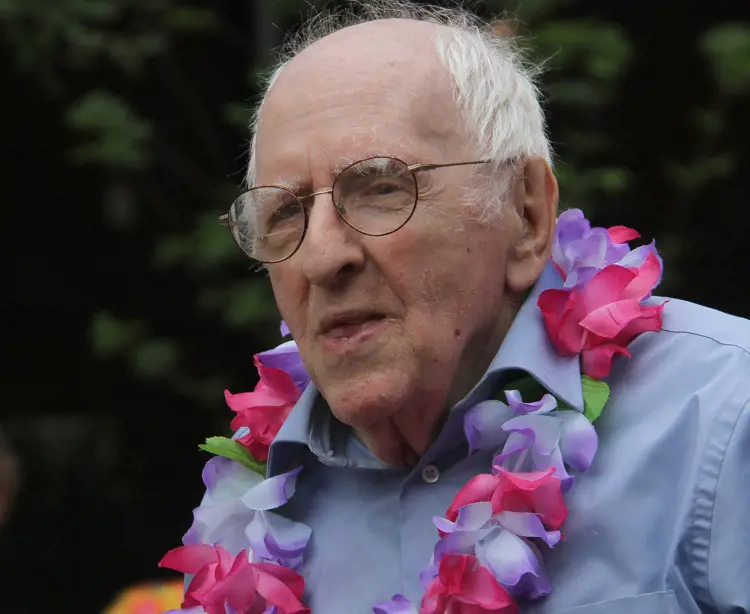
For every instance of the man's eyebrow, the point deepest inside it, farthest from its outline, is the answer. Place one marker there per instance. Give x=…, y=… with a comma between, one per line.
x=294, y=184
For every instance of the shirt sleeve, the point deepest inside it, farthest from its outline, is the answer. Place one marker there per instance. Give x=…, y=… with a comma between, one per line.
x=724, y=564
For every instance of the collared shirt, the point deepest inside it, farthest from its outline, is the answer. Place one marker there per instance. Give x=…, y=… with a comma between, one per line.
x=657, y=526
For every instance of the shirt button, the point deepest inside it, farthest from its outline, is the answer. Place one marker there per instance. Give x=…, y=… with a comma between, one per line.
x=430, y=474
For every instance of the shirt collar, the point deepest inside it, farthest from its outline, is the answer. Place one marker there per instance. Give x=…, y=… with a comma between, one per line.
x=526, y=347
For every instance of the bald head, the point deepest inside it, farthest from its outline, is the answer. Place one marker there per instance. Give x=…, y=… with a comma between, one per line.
x=387, y=66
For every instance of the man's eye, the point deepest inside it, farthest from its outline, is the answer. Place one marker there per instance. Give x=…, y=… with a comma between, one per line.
x=285, y=212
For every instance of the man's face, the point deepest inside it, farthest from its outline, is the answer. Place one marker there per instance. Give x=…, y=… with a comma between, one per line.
x=391, y=328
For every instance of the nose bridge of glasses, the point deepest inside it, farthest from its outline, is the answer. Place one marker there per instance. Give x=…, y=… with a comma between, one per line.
x=309, y=199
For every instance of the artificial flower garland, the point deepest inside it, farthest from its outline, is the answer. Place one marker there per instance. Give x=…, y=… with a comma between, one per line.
x=488, y=554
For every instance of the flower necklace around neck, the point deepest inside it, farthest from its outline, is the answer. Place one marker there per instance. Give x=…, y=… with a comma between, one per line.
x=488, y=555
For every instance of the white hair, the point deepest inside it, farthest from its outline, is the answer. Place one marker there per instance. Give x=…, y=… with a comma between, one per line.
x=494, y=86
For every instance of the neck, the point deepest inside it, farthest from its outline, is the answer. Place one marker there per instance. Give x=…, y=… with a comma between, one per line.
x=405, y=436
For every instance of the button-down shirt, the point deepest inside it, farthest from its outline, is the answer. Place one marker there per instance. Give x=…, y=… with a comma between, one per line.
x=657, y=526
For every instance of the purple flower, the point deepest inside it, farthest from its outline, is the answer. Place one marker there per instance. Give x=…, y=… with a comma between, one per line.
x=397, y=605
x=580, y=251
x=235, y=514
x=502, y=543
x=515, y=563
x=543, y=406
x=286, y=357
x=284, y=329
x=483, y=425
x=537, y=442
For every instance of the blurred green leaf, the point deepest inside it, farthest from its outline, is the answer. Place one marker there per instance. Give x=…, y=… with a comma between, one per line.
x=238, y=116
x=247, y=303
x=116, y=136
x=154, y=357
x=697, y=174
x=614, y=180
x=110, y=336
x=191, y=19
x=709, y=122
x=599, y=49
x=727, y=47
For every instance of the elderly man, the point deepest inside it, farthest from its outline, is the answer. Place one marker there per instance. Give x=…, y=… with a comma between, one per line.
x=403, y=202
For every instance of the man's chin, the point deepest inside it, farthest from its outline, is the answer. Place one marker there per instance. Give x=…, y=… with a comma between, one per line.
x=363, y=402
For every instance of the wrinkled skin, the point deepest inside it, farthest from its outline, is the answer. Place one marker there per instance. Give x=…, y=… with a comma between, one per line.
x=447, y=284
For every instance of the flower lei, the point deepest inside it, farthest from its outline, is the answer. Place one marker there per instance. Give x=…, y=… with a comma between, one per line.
x=488, y=554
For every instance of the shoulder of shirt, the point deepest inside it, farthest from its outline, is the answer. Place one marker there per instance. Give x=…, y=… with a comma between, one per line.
x=689, y=319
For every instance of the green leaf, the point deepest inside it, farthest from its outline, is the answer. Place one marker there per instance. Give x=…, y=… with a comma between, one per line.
x=595, y=396
x=110, y=336
x=727, y=47
x=116, y=136
x=233, y=450
x=154, y=357
x=191, y=18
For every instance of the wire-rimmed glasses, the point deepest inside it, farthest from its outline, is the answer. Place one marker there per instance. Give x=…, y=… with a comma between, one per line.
x=376, y=196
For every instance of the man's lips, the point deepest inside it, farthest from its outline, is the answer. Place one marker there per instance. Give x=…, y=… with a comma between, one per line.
x=343, y=333
x=348, y=323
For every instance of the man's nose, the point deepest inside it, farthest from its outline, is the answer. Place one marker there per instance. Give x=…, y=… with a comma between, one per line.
x=331, y=251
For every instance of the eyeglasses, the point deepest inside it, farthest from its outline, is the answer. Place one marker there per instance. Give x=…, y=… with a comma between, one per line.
x=376, y=197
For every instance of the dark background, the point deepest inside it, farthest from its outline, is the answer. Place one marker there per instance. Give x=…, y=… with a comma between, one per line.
x=127, y=310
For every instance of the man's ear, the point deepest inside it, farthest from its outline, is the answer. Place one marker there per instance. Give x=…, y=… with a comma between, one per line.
x=535, y=202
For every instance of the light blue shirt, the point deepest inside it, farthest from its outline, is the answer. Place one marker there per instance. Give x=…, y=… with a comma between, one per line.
x=657, y=526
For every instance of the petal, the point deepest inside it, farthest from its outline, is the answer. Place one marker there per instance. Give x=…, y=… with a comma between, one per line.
x=512, y=456
x=278, y=539
x=227, y=480
x=474, y=516
x=281, y=587
x=579, y=441
x=220, y=524
x=544, y=405
x=525, y=524
x=284, y=329
x=554, y=460
x=607, y=286
x=483, y=425
x=608, y=320
x=537, y=492
x=478, y=488
x=463, y=577
x=190, y=559
x=272, y=492
x=553, y=305
x=459, y=542
x=397, y=605
x=287, y=358
x=649, y=276
x=622, y=234
x=508, y=557
x=597, y=362
x=544, y=431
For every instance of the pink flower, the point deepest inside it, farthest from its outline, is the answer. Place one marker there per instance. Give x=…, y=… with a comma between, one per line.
x=536, y=492
x=599, y=319
x=223, y=580
x=264, y=409
x=463, y=586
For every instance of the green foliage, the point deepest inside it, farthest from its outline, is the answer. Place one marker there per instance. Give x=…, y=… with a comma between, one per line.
x=233, y=450
x=727, y=47
x=595, y=397
x=117, y=137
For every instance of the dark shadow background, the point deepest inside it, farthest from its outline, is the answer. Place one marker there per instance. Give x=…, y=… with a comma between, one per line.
x=105, y=418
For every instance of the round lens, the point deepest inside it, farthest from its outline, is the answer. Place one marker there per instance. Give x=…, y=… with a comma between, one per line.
x=268, y=223
x=376, y=196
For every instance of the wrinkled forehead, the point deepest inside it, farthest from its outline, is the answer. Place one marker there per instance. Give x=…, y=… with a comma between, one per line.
x=373, y=89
